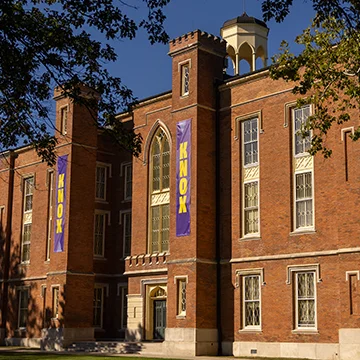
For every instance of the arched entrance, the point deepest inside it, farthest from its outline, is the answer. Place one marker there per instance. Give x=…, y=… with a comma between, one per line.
x=156, y=312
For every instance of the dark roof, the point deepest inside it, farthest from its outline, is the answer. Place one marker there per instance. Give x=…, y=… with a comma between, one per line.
x=245, y=19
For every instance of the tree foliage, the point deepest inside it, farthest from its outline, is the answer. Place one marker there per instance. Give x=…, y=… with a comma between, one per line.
x=327, y=71
x=49, y=43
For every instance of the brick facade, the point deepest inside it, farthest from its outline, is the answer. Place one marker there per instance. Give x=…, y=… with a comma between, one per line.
x=283, y=315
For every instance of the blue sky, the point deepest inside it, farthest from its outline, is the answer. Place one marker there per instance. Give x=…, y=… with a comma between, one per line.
x=146, y=68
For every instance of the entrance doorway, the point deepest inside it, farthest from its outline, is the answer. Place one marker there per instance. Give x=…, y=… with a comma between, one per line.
x=159, y=319
x=155, y=318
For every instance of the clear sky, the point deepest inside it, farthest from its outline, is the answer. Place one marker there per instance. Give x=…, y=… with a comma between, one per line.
x=146, y=69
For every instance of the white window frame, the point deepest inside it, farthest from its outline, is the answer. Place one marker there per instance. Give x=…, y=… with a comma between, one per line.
x=181, y=68
x=178, y=280
x=64, y=122
x=294, y=132
x=244, y=301
x=250, y=234
x=310, y=227
x=55, y=302
x=243, y=141
x=105, y=214
x=27, y=216
x=297, y=326
x=20, y=291
x=240, y=274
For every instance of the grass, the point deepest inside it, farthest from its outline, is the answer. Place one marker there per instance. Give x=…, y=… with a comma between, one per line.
x=11, y=355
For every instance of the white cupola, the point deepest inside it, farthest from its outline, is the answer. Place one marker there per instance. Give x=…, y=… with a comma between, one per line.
x=246, y=39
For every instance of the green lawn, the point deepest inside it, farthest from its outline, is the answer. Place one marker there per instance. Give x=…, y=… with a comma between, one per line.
x=9, y=355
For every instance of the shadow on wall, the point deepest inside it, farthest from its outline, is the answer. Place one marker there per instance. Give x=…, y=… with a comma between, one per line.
x=22, y=314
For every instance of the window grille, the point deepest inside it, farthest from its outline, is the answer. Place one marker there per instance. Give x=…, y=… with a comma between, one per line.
x=251, y=301
x=302, y=144
x=304, y=200
x=159, y=200
x=182, y=297
x=55, y=309
x=64, y=119
x=250, y=141
x=185, y=79
x=27, y=219
x=305, y=299
x=251, y=208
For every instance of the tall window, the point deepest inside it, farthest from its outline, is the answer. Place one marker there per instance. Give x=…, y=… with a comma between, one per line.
x=99, y=234
x=123, y=290
x=251, y=302
x=64, y=120
x=2, y=220
x=251, y=207
x=160, y=193
x=50, y=213
x=185, y=79
x=181, y=297
x=301, y=143
x=55, y=302
x=304, y=200
x=23, y=298
x=305, y=292
x=128, y=182
x=100, y=183
x=250, y=138
x=127, y=233
x=28, y=187
x=303, y=172
x=250, y=181
x=98, y=306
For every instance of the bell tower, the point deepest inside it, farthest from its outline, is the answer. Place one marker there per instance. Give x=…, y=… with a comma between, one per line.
x=246, y=39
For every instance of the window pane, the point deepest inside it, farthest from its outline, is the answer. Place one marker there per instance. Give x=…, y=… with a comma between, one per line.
x=250, y=139
x=302, y=144
x=251, y=300
x=100, y=182
x=166, y=165
x=156, y=166
x=99, y=234
x=155, y=216
x=165, y=227
x=306, y=299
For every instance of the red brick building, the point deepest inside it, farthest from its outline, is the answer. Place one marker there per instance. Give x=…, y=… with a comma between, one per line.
x=225, y=235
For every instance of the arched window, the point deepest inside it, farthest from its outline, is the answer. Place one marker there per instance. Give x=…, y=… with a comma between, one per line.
x=159, y=213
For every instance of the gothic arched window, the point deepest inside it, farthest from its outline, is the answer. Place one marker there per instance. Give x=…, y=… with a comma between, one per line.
x=159, y=221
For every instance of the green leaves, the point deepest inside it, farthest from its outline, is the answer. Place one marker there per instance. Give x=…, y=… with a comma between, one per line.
x=326, y=73
x=49, y=43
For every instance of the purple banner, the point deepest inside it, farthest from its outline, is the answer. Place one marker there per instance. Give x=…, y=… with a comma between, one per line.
x=60, y=204
x=183, y=177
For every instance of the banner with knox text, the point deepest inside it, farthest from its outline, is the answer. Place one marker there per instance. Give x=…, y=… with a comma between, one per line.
x=60, y=203
x=183, y=177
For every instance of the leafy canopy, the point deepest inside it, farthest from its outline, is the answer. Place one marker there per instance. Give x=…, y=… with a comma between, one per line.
x=327, y=71
x=49, y=43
